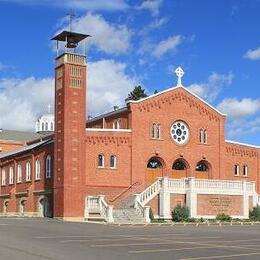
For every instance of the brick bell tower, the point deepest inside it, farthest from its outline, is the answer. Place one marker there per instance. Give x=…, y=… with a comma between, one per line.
x=70, y=122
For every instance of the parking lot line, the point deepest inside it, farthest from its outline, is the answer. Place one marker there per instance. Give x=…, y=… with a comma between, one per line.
x=186, y=248
x=219, y=256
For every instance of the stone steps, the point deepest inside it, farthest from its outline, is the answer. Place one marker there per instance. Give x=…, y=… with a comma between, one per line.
x=127, y=215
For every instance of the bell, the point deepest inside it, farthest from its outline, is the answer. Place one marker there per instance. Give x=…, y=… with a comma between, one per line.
x=71, y=43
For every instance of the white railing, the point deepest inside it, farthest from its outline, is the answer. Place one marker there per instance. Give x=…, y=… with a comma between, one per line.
x=98, y=205
x=177, y=185
x=219, y=185
x=150, y=192
x=250, y=187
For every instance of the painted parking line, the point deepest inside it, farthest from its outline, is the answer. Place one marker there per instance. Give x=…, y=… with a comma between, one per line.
x=161, y=238
x=188, y=248
x=219, y=256
x=4, y=224
x=166, y=242
x=104, y=236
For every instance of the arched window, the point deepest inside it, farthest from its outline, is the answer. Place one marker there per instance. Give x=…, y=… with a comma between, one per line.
x=19, y=173
x=3, y=177
x=46, y=126
x=245, y=170
x=201, y=136
x=101, y=161
x=154, y=164
x=42, y=127
x=179, y=165
x=205, y=136
x=52, y=126
x=201, y=167
x=28, y=171
x=37, y=170
x=113, y=161
x=236, y=169
x=11, y=175
x=48, y=166
x=156, y=131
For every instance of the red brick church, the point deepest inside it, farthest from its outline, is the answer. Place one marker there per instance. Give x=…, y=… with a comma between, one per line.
x=157, y=152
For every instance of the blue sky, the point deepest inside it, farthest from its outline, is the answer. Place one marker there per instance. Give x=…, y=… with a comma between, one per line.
x=135, y=42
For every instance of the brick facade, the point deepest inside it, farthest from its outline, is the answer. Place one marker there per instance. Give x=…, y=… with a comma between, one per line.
x=77, y=146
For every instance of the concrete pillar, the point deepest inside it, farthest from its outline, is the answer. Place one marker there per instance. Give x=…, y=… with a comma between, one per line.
x=245, y=201
x=147, y=214
x=164, y=200
x=110, y=218
x=191, y=197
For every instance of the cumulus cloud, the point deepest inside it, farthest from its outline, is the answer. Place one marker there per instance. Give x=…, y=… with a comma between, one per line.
x=106, y=37
x=108, y=85
x=239, y=108
x=253, y=54
x=167, y=45
x=108, y=5
x=23, y=100
x=211, y=89
x=152, y=6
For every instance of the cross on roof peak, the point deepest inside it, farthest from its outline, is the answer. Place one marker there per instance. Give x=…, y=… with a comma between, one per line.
x=179, y=73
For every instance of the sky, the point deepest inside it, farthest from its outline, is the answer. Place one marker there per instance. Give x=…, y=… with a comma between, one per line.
x=137, y=42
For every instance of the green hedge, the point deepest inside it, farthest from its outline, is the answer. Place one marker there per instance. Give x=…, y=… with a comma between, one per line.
x=223, y=217
x=254, y=214
x=180, y=213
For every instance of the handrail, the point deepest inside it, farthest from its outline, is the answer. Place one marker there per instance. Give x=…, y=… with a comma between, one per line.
x=124, y=191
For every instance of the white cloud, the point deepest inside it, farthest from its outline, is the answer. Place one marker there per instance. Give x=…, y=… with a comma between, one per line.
x=23, y=100
x=1, y=66
x=152, y=6
x=155, y=24
x=167, y=45
x=253, y=54
x=107, y=37
x=91, y=5
x=239, y=108
x=108, y=85
x=210, y=89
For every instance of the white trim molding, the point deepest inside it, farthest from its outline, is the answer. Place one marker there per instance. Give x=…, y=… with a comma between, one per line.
x=244, y=144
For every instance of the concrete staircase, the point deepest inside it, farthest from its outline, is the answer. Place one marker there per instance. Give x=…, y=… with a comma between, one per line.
x=127, y=216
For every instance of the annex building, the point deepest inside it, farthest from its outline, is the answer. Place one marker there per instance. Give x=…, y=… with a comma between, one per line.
x=157, y=152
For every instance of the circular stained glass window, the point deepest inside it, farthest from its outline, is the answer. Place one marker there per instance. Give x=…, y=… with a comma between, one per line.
x=179, y=132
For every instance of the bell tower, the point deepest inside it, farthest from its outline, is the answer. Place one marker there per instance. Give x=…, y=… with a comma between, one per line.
x=70, y=121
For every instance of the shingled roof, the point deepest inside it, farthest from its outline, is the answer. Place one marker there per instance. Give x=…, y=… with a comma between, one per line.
x=20, y=136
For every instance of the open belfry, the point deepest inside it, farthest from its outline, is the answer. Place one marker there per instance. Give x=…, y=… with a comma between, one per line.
x=153, y=154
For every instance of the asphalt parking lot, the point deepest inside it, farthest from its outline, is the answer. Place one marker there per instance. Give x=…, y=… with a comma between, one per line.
x=51, y=239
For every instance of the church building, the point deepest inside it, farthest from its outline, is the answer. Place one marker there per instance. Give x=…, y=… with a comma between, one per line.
x=155, y=153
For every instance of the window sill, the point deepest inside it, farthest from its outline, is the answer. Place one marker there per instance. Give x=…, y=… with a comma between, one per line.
x=100, y=167
x=113, y=168
x=156, y=139
x=28, y=181
x=37, y=180
x=19, y=182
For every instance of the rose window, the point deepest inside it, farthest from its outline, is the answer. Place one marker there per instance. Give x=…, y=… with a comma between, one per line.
x=179, y=132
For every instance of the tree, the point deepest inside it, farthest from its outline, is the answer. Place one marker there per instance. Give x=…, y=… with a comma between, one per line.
x=137, y=93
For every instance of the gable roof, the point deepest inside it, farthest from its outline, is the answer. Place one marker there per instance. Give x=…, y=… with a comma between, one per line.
x=26, y=148
x=19, y=136
x=244, y=144
x=174, y=88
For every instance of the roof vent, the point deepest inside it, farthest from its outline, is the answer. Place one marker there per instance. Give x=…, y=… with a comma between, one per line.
x=116, y=108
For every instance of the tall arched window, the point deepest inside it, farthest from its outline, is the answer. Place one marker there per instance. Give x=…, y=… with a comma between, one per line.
x=201, y=136
x=52, y=126
x=19, y=173
x=46, y=126
x=37, y=170
x=116, y=124
x=11, y=175
x=154, y=164
x=245, y=170
x=205, y=136
x=236, y=169
x=101, y=161
x=48, y=166
x=156, y=131
x=179, y=165
x=3, y=177
x=113, y=161
x=42, y=127
x=28, y=171
x=153, y=130
x=202, y=167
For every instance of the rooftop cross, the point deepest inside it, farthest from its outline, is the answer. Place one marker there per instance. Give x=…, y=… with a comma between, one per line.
x=71, y=15
x=179, y=73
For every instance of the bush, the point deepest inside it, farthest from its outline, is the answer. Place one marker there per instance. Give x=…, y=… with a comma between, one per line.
x=223, y=217
x=254, y=214
x=180, y=213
